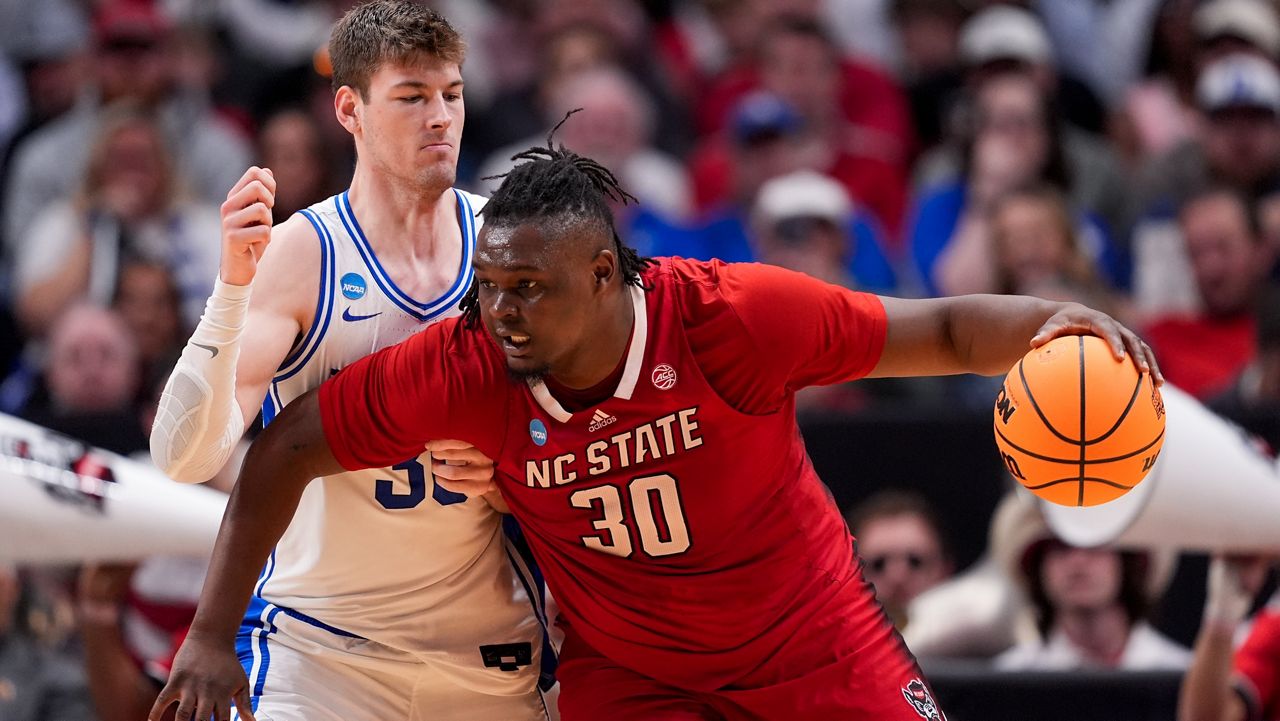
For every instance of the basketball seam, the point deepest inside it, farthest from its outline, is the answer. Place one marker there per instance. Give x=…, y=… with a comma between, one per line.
x=1085, y=479
x=1080, y=343
x=1031, y=397
x=1125, y=414
x=1072, y=461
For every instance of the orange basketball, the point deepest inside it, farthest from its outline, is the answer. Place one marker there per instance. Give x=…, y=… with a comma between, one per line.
x=1074, y=425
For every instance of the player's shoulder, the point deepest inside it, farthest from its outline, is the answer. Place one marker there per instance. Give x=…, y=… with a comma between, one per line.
x=288, y=274
x=473, y=204
x=477, y=202
x=716, y=280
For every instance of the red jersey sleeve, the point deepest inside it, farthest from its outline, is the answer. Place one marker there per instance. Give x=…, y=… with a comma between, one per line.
x=762, y=332
x=1257, y=663
x=445, y=382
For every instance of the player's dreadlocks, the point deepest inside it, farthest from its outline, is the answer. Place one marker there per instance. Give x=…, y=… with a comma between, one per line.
x=555, y=181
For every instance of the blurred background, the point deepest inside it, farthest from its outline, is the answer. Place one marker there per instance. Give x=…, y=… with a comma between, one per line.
x=1122, y=153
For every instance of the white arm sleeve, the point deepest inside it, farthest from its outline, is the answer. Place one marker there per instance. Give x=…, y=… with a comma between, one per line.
x=199, y=422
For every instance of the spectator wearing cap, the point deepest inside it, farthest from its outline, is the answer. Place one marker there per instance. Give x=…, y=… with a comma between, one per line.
x=867, y=97
x=1014, y=140
x=1239, y=149
x=806, y=222
x=1204, y=353
x=130, y=63
x=1002, y=41
x=795, y=218
x=1160, y=112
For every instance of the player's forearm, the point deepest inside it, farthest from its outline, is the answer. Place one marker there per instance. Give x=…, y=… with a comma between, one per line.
x=198, y=421
x=280, y=464
x=1206, y=688
x=987, y=334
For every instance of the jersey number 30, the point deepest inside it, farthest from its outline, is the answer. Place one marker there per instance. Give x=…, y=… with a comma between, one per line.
x=654, y=506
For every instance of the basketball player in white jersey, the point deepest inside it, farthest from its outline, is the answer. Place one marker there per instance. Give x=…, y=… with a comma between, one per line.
x=388, y=596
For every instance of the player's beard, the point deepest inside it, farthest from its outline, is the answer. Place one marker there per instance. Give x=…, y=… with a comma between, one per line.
x=527, y=375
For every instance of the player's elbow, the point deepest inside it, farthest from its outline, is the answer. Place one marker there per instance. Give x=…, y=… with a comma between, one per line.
x=170, y=463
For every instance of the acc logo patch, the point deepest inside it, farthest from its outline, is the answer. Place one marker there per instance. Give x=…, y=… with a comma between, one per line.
x=353, y=286
x=664, y=377
x=917, y=694
x=538, y=432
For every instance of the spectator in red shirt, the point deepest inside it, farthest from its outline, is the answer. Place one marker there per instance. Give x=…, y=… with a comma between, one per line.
x=1205, y=352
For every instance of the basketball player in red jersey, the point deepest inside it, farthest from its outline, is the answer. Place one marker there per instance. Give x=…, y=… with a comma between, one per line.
x=642, y=417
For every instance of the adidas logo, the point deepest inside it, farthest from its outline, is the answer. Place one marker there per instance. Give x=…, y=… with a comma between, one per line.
x=600, y=420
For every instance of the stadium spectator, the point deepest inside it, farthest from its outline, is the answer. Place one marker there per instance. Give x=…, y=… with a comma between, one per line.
x=1159, y=112
x=1090, y=604
x=1239, y=97
x=899, y=537
x=35, y=685
x=1258, y=385
x=1038, y=250
x=91, y=382
x=616, y=128
x=1226, y=683
x=866, y=151
x=131, y=61
x=1003, y=41
x=129, y=207
x=1014, y=140
x=928, y=32
x=1204, y=353
x=292, y=144
x=148, y=301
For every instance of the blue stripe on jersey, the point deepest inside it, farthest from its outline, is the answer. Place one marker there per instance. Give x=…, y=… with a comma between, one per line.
x=417, y=309
x=526, y=569
x=323, y=297
x=265, y=655
x=312, y=621
x=267, y=569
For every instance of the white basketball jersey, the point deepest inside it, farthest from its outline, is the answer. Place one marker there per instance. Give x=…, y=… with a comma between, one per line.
x=387, y=555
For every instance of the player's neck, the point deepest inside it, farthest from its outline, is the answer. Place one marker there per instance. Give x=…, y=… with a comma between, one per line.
x=594, y=363
x=386, y=208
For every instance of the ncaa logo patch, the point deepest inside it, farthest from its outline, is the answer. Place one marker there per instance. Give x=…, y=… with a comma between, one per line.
x=664, y=377
x=538, y=432
x=917, y=694
x=353, y=286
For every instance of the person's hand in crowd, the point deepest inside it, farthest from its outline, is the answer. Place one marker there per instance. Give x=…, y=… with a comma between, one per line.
x=998, y=167
x=1233, y=584
x=246, y=225
x=101, y=591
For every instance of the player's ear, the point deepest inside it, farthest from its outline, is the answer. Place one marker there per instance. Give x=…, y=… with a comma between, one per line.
x=345, y=102
x=604, y=268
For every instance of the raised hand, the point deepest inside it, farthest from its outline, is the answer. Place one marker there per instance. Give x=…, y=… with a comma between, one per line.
x=246, y=225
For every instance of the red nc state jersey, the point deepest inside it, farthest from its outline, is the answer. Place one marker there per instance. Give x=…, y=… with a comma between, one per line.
x=679, y=523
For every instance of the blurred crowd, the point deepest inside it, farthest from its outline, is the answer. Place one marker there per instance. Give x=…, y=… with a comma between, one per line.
x=1122, y=153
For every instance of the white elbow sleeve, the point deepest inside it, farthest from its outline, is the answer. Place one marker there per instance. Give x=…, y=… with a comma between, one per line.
x=198, y=421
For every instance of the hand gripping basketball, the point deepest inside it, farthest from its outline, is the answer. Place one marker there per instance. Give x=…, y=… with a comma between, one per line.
x=1076, y=425
x=246, y=225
